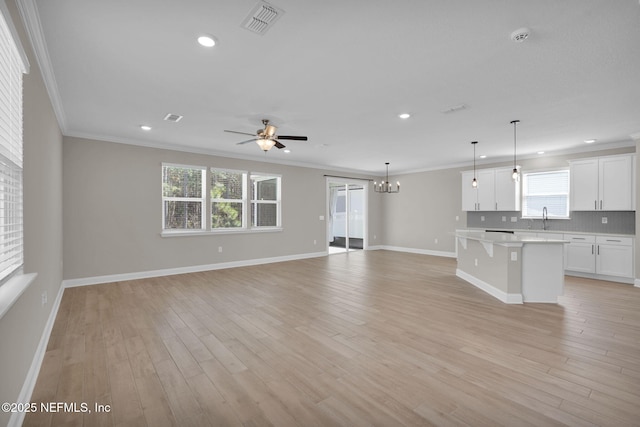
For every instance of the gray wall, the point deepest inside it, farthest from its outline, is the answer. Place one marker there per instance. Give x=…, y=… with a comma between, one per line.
x=22, y=326
x=113, y=212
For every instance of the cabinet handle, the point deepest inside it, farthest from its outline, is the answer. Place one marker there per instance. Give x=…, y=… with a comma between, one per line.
x=496, y=205
x=578, y=238
x=598, y=249
x=595, y=204
x=613, y=240
x=591, y=249
x=600, y=204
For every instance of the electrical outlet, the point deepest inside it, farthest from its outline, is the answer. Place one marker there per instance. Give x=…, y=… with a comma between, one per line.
x=219, y=248
x=375, y=237
x=504, y=219
x=476, y=262
x=514, y=256
x=315, y=242
x=321, y=217
x=604, y=220
x=514, y=219
x=44, y=298
x=457, y=218
x=435, y=240
x=482, y=218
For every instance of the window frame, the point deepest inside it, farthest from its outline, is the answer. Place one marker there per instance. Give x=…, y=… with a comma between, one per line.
x=524, y=205
x=202, y=200
x=242, y=200
x=277, y=202
x=207, y=210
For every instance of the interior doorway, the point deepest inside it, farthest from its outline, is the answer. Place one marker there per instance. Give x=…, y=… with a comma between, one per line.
x=347, y=206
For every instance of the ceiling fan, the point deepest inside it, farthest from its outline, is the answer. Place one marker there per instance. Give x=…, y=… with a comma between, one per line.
x=266, y=138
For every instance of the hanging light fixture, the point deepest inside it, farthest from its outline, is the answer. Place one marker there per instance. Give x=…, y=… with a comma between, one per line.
x=385, y=186
x=515, y=174
x=474, y=182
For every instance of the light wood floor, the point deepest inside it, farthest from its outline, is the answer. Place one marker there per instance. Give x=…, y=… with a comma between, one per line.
x=365, y=338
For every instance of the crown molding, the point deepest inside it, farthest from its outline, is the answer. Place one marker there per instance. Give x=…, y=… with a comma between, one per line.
x=31, y=19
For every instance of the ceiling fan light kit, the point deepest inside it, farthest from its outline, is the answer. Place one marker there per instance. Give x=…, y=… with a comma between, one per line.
x=474, y=181
x=266, y=138
x=515, y=175
x=385, y=186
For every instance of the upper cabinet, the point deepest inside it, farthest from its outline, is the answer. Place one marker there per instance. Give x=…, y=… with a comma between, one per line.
x=603, y=183
x=496, y=191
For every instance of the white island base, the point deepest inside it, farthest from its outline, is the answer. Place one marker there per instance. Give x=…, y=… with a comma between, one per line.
x=514, y=269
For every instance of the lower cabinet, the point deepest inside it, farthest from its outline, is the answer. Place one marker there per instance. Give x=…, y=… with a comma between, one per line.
x=599, y=255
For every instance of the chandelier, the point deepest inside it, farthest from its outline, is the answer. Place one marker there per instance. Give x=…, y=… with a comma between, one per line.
x=385, y=186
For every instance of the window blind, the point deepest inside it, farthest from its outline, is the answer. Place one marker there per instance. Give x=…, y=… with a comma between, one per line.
x=546, y=189
x=11, y=223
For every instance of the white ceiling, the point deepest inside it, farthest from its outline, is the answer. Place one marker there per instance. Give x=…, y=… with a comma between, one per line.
x=341, y=71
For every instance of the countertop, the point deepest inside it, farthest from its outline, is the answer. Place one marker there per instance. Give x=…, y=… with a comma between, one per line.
x=505, y=239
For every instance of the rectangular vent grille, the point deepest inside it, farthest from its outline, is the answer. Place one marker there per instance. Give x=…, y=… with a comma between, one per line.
x=262, y=17
x=173, y=117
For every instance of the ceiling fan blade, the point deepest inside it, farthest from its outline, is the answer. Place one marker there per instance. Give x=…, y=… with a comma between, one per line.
x=248, y=140
x=241, y=133
x=279, y=144
x=293, y=138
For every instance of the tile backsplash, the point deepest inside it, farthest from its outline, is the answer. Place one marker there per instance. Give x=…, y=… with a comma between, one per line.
x=618, y=222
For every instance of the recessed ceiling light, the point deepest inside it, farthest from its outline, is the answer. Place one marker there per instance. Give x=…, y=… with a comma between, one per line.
x=404, y=115
x=589, y=141
x=207, y=41
x=484, y=156
x=287, y=151
x=145, y=127
x=540, y=152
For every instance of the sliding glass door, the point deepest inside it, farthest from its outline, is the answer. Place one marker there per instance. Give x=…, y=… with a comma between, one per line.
x=347, y=215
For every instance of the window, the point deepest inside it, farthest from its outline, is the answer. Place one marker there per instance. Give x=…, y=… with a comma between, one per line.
x=228, y=200
x=265, y=201
x=183, y=192
x=225, y=201
x=11, y=223
x=546, y=189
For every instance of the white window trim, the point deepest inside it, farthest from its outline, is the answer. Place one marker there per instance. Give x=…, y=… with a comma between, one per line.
x=559, y=169
x=203, y=199
x=277, y=202
x=208, y=230
x=244, y=201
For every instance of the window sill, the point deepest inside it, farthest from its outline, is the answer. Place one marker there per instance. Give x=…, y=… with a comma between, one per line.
x=11, y=290
x=183, y=233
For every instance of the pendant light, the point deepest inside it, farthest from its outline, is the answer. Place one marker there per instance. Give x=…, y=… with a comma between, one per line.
x=385, y=186
x=474, y=183
x=515, y=174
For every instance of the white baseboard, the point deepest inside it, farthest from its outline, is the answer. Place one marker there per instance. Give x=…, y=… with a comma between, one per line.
x=627, y=280
x=29, y=384
x=491, y=290
x=417, y=251
x=636, y=283
x=96, y=280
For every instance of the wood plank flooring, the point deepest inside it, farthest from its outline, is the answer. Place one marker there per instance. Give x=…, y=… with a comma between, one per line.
x=364, y=338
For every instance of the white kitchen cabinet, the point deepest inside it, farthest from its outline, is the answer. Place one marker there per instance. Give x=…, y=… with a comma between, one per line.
x=496, y=191
x=614, y=256
x=579, y=253
x=603, y=183
x=609, y=256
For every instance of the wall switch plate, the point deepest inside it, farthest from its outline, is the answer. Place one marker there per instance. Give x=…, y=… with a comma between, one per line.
x=457, y=218
x=514, y=256
x=219, y=248
x=321, y=217
x=514, y=219
x=436, y=240
x=504, y=218
x=482, y=218
x=604, y=220
x=476, y=262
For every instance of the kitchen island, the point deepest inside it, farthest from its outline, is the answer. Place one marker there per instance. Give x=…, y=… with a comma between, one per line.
x=512, y=268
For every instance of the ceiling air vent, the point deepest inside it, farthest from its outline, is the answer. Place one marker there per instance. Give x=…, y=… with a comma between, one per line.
x=173, y=118
x=262, y=17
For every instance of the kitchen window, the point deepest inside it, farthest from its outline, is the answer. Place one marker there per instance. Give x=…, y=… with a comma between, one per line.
x=548, y=189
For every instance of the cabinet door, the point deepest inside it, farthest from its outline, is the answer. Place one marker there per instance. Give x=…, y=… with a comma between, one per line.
x=507, y=191
x=614, y=260
x=584, y=185
x=580, y=257
x=469, y=194
x=486, y=190
x=615, y=183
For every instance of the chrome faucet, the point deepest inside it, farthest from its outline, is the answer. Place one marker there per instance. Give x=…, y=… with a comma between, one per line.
x=545, y=217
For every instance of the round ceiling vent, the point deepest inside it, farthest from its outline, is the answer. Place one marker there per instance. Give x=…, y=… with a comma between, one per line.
x=520, y=35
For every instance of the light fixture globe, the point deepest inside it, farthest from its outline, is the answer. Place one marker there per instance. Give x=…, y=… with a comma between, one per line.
x=265, y=144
